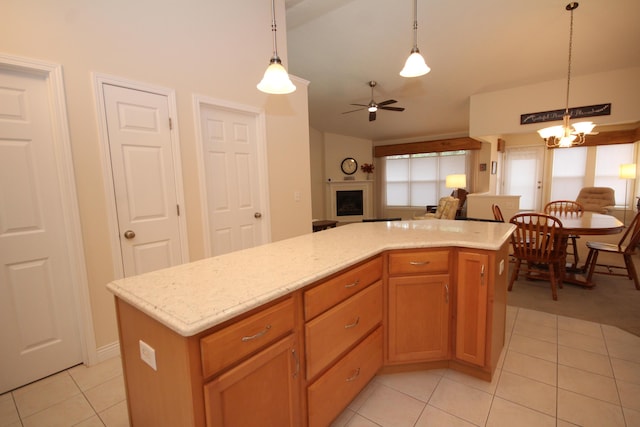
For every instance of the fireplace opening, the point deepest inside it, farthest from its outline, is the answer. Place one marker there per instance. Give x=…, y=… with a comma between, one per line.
x=349, y=203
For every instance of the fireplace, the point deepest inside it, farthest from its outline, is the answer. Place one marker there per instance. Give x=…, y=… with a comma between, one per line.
x=349, y=203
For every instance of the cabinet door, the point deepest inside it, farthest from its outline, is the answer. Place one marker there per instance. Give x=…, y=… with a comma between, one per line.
x=419, y=318
x=471, y=311
x=262, y=391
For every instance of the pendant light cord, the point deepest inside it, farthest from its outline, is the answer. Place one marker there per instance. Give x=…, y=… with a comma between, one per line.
x=415, y=25
x=571, y=8
x=274, y=29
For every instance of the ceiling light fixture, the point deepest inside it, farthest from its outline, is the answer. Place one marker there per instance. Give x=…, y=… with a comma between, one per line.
x=565, y=136
x=415, y=65
x=276, y=80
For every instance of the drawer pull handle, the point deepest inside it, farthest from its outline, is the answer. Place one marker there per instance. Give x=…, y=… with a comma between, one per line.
x=297, y=360
x=258, y=335
x=354, y=324
x=354, y=376
x=354, y=284
x=419, y=262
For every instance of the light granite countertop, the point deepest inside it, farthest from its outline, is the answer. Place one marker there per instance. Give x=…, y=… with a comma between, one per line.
x=193, y=297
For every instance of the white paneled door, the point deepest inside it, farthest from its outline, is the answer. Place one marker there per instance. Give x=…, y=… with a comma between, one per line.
x=144, y=178
x=236, y=213
x=39, y=331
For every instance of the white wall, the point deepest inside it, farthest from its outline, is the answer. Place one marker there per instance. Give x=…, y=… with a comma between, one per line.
x=218, y=49
x=498, y=113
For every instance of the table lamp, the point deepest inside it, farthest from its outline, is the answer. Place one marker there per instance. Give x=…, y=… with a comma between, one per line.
x=627, y=172
x=456, y=181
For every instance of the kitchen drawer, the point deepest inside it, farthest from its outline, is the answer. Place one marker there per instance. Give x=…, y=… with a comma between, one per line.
x=246, y=336
x=341, y=287
x=332, y=392
x=412, y=262
x=334, y=331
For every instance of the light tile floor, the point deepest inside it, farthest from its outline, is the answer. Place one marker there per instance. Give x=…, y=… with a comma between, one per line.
x=554, y=371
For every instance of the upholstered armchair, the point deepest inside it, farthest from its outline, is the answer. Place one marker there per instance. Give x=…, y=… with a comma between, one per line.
x=447, y=207
x=597, y=199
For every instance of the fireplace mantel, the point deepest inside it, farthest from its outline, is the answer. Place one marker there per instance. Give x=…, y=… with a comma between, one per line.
x=367, y=199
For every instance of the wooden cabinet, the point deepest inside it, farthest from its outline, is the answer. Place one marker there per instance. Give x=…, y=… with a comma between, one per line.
x=481, y=302
x=443, y=306
x=262, y=391
x=329, y=395
x=343, y=339
x=471, y=312
x=419, y=297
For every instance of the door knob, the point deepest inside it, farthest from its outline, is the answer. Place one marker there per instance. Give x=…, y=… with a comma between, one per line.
x=129, y=234
x=257, y=215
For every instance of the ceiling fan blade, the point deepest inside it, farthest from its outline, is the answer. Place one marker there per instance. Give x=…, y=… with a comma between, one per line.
x=351, y=111
x=387, y=102
x=361, y=105
x=372, y=116
x=391, y=108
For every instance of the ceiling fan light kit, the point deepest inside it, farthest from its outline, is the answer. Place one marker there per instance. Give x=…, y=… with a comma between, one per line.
x=565, y=135
x=415, y=65
x=374, y=106
x=276, y=79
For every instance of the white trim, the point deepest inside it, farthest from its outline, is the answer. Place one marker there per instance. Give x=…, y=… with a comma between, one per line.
x=261, y=147
x=114, y=232
x=108, y=351
x=64, y=162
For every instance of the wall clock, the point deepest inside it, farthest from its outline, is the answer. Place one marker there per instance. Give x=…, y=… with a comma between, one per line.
x=349, y=166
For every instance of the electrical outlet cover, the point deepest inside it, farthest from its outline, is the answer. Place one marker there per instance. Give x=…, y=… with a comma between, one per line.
x=148, y=355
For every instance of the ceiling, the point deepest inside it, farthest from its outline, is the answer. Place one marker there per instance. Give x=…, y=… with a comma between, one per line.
x=472, y=46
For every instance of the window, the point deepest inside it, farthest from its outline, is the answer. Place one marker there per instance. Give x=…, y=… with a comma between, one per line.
x=419, y=179
x=608, y=161
x=569, y=167
x=597, y=166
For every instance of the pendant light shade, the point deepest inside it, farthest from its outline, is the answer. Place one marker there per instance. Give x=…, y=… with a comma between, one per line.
x=276, y=79
x=415, y=65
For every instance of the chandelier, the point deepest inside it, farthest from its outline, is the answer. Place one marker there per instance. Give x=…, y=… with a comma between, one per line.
x=564, y=135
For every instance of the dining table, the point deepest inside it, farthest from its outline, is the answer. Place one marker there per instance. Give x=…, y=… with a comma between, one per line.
x=585, y=224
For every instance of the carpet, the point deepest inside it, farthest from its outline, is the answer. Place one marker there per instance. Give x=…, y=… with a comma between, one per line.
x=613, y=301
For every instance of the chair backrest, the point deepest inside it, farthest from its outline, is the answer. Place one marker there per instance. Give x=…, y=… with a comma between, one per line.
x=631, y=237
x=563, y=207
x=497, y=213
x=596, y=199
x=537, y=237
x=447, y=207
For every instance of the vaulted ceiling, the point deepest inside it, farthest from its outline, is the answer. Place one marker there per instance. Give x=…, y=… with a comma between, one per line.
x=472, y=46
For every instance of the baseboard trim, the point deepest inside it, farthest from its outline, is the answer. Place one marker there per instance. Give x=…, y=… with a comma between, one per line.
x=108, y=351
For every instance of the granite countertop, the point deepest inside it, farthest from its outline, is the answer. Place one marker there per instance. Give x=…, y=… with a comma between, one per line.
x=193, y=297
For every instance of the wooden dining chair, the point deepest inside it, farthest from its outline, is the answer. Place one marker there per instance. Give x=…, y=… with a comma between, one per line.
x=497, y=213
x=625, y=247
x=567, y=208
x=538, y=240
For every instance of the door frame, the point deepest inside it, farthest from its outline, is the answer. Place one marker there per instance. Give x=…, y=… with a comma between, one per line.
x=61, y=138
x=100, y=79
x=201, y=101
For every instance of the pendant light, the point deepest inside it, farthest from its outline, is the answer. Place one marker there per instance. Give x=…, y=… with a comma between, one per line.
x=415, y=65
x=276, y=80
x=565, y=136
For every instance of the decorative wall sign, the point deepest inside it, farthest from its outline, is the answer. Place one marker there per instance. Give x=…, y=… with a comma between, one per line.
x=574, y=113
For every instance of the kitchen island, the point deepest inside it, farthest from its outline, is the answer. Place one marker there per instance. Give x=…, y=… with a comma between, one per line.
x=296, y=328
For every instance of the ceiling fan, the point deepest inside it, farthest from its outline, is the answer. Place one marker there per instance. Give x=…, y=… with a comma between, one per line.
x=374, y=106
